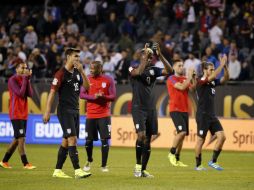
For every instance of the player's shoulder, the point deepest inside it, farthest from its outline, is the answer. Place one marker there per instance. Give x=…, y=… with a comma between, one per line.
x=107, y=78
x=60, y=72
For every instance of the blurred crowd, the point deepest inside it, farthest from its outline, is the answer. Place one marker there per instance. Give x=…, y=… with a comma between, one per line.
x=114, y=31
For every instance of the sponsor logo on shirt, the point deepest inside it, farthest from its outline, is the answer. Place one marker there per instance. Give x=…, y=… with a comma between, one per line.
x=21, y=131
x=137, y=126
x=180, y=127
x=201, y=132
x=69, y=131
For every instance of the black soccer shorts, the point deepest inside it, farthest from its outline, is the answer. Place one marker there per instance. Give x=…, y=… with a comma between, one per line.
x=19, y=127
x=98, y=125
x=181, y=121
x=69, y=120
x=145, y=120
x=207, y=123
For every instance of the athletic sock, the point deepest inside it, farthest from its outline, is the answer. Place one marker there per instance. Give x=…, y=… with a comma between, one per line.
x=146, y=155
x=61, y=157
x=24, y=159
x=139, y=149
x=73, y=153
x=89, y=150
x=177, y=157
x=7, y=156
x=216, y=154
x=173, y=150
x=104, y=152
x=198, y=160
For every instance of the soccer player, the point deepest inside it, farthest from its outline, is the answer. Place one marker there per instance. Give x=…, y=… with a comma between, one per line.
x=144, y=113
x=178, y=87
x=205, y=116
x=102, y=91
x=67, y=82
x=20, y=89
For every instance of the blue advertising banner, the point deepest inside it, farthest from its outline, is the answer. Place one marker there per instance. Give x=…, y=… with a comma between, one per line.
x=38, y=132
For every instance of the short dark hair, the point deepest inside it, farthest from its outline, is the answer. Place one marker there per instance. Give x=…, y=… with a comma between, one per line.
x=205, y=64
x=70, y=51
x=17, y=62
x=177, y=60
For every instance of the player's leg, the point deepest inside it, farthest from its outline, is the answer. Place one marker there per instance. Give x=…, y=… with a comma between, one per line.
x=217, y=130
x=139, y=117
x=202, y=129
x=21, y=125
x=61, y=157
x=10, y=150
x=181, y=129
x=104, y=125
x=91, y=135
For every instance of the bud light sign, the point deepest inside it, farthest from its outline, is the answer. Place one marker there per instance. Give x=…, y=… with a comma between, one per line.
x=38, y=132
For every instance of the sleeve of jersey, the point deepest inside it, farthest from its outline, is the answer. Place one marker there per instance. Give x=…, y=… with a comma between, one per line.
x=112, y=91
x=57, y=81
x=84, y=94
x=29, y=89
x=19, y=91
x=157, y=72
x=217, y=82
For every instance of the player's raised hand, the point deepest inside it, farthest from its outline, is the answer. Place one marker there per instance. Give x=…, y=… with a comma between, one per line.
x=156, y=46
x=223, y=59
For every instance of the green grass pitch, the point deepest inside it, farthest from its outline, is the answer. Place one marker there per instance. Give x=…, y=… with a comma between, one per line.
x=238, y=173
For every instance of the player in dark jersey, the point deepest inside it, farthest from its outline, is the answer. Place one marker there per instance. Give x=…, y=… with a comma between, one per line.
x=67, y=82
x=178, y=88
x=205, y=116
x=102, y=91
x=143, y=105
x=20, y=89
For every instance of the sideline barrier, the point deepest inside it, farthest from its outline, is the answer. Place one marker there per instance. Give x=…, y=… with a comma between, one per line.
x=239, y=133
x=38, y=132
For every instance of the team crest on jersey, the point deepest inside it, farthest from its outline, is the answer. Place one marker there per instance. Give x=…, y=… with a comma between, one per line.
x=78, y=77
x=180, y=127
x=55, y=81
x=103, y=85
x=213, y=83
x=151, y=71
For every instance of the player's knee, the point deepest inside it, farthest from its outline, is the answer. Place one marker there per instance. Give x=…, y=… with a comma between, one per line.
x=141, y=137
x=183, y=133
x=222, y=137
x=104, y=142
x=72, y=141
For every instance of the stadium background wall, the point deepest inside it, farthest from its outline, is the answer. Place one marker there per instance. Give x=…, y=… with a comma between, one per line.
x=232, y=101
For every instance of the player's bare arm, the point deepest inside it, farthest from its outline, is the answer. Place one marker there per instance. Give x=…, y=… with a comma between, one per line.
x=51, y=97
x=167, y=67
x=186, y=83
x=225, y=77
x=223, y=61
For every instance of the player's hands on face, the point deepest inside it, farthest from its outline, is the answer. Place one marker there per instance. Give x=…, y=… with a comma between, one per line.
x=191, y=73
x=27, y=72
x=78, y=65
x=46, y=118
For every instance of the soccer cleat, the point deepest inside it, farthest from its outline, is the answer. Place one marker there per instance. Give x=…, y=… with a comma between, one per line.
x=105, y=169
x=200, y=168
x=29, y=166
x=87, y=166
x=81, y=174
x=137, y=170
x=180, y=164
x=5, y=165
x=172, y=159
x=60, y=174
x=215, y=165
x=146, y=174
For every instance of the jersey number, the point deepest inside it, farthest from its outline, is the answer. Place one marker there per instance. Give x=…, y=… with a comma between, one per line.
x=76, y=87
